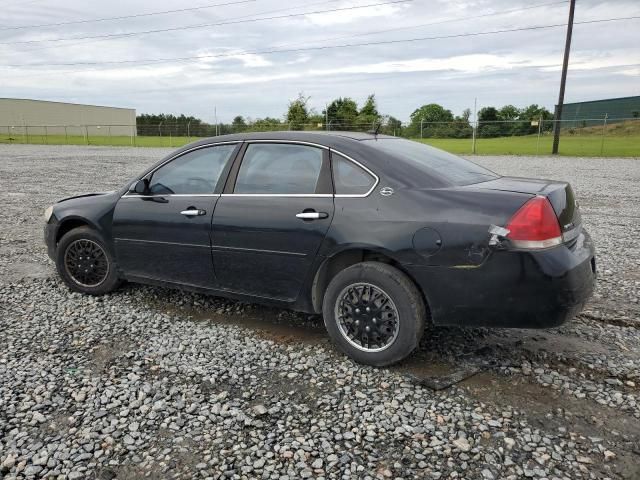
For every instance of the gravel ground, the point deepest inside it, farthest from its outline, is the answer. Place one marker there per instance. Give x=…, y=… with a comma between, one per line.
x=154, y=383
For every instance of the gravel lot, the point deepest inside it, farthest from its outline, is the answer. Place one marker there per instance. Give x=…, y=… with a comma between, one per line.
x=148, y=382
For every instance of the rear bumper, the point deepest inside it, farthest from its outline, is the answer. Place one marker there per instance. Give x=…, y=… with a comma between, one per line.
x=517, y=289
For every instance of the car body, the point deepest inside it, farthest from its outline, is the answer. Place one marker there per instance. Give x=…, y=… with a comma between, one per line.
x=284, y=212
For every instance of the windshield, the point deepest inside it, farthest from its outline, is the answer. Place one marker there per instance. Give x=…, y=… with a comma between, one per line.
x=451, y=168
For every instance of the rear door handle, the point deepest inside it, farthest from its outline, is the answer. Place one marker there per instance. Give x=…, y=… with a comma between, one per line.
x=193, y=212
x=311, y=215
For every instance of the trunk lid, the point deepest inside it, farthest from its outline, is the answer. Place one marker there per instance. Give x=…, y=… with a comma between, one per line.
x=560, y=195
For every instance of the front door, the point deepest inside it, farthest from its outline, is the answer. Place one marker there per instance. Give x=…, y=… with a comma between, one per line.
x=164, y=234
x=272, y=218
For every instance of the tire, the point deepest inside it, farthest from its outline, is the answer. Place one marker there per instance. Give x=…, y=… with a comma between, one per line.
x=387, y=341
x=84, y=247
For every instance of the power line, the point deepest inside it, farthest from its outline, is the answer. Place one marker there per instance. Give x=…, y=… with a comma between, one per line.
x=151, y=61
x=362, y=34
x=124, y=17
x=439, y=22
x=202, y=25
x=287, y=9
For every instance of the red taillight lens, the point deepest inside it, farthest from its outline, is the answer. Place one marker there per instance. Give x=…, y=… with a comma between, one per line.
x=535, y=225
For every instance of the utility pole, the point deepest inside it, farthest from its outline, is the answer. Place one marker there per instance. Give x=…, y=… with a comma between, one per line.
x=215, y=118
x=563, y=79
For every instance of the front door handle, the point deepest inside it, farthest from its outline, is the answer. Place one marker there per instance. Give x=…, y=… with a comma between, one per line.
x=311, y=215
x=193, y=212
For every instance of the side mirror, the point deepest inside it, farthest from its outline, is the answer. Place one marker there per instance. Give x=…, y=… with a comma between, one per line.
x=141, y=187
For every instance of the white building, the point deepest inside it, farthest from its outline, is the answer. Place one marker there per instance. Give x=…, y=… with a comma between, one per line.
x=40, y=117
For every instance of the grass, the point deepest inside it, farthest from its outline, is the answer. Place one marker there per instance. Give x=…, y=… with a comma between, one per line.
x=575, y=146
x=139, y=141
x=621, y=140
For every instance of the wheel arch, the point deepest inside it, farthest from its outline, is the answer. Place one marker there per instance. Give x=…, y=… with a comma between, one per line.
x=346, y=258
x=70, y=223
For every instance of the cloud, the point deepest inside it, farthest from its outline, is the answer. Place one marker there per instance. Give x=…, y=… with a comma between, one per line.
x=518, y=68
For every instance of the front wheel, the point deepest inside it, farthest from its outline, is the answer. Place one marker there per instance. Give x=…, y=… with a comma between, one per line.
x=374, y=313
x=84, y=262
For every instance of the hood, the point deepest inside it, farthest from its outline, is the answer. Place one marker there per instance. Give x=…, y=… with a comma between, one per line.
x=85, y=195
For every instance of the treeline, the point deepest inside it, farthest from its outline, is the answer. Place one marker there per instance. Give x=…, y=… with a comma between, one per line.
x=343, y=113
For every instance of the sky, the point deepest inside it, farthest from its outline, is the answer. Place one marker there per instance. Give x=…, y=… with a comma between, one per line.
x=223, y=60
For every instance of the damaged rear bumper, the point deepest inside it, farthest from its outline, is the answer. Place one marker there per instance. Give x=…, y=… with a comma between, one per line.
x=516, y=289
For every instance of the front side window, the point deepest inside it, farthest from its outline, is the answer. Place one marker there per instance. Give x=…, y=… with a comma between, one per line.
x=194, y=173
x=271, y=168
x=349, y=178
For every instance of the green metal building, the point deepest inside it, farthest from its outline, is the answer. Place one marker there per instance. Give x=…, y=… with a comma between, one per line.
x=592, y=113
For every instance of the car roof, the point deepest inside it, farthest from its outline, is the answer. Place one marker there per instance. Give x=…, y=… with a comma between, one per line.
x=329, y=139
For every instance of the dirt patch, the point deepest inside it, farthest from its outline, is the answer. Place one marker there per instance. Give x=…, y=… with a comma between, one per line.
x=103, y=355
x=268, y=323
x=550, y=409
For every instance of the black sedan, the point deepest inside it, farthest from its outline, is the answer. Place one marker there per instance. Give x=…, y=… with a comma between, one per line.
x=378, y=234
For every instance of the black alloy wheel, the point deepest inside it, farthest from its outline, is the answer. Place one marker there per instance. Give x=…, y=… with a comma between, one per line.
x=85, y=263
x=367, y=317
x=374, y=313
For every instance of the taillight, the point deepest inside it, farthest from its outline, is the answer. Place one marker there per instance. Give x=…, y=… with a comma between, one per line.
x=535, y=225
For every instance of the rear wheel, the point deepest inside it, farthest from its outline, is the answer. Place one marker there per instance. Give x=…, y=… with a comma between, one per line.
x=84, y=262
x=374, y=313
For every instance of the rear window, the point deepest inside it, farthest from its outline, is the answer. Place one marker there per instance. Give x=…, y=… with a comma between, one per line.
x=451, y=168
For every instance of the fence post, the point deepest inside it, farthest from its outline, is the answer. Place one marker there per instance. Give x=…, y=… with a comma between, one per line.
x=86, y=134
x=66, y=136
x=539, y=132
x=473, y=139
x=26, y=131
x=46, y=135
x=604, y=129
x=421, y=120
x=188, y=131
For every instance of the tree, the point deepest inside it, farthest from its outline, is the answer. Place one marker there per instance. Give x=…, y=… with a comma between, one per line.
x=534, y=112
x=342, y=114
x=298, y=113
x=239, y=121
x=487, y=116
x=168, y=123
x=266, y=124
x=428, y=115
x=392, y=125
x=508, y=112
x=368, y=114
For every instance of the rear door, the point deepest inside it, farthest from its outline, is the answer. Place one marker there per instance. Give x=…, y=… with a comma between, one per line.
x=165, y=233
x=272, y=217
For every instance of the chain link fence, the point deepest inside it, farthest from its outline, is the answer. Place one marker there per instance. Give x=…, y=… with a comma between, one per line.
x=579, y=137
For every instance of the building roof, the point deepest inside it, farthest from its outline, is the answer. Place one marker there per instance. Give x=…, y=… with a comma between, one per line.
x=64, y=103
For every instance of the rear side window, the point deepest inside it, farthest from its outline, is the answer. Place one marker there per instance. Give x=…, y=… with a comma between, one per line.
x=450, y=168
x=349, y=178
x=271, y=168
x=195, y=172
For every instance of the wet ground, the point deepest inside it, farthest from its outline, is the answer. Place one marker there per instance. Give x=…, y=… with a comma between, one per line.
x=581, y=380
